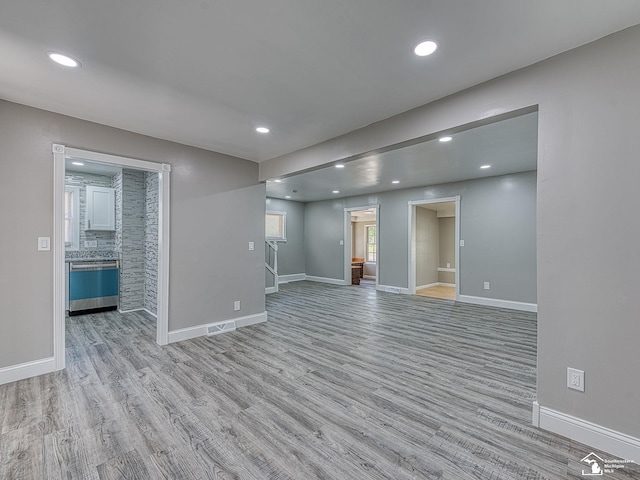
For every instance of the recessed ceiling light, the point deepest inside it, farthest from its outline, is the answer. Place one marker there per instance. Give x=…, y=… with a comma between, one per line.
x=262, y=130
x=277, y=180
x=425, y=48
x=395, y=181
x=287, y=196
x=445, y=139
x=339, y=165
x=63, y=60
x=484, y=167
x=336, y=191
x=80, y=164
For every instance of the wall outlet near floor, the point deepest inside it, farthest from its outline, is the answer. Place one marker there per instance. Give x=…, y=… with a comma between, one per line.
x=236, y=305
x=487, y=285
x=575, y=379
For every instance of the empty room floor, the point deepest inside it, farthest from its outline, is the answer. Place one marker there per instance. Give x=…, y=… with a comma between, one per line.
x=341, y=383
x=439, y=291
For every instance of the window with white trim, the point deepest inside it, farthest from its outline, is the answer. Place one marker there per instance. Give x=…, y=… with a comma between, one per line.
x=276, y=226
x=371, y=254
x=71, y=218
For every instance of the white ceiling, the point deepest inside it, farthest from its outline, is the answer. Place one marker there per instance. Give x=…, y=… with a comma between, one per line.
x=206, y=72
x=508, y=146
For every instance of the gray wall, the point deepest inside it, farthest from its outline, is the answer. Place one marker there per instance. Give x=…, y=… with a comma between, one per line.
x=291, y=257
x=210, y=264
x=498, y=224
x=447, y=229
x=427, y=245
x=323, y=231
x=588, y=113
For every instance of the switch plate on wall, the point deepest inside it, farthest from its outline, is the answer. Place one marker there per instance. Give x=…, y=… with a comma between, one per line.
x=236, y=305
x=44, y=244
x=487, y=285
x=252, y=246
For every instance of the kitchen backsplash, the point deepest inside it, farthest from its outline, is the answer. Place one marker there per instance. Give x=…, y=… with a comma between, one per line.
x=105, y=241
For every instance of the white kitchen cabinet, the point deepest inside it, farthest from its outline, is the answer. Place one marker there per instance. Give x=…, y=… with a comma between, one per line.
x=101, y=208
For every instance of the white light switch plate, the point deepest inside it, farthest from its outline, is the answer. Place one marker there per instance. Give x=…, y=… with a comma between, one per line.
x=252, y=246
x=44, y=244
x=462, y=243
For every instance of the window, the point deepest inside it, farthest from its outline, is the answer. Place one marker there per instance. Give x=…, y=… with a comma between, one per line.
x=370, y=247
x=72, y=218
x=276, y=226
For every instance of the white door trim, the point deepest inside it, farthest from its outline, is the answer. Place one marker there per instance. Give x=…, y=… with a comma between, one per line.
x=348, y=241
x=412, y=243
x=60, y=152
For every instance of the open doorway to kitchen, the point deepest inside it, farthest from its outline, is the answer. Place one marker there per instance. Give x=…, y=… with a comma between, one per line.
x=110, y=243
x=434, y=242
x=361, y=246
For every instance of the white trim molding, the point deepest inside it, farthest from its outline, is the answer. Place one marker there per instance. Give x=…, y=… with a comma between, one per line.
x=201, y=330
x=332, y=281
x=494, y=302
x=601, y=438
x=27, y=370
x=411, y=245
x=294, y=277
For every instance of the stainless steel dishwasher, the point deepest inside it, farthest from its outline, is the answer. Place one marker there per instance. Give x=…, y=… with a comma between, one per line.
x=93, y=285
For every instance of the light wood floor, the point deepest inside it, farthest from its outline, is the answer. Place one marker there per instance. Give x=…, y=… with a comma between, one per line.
x=440, y=291
x=342, y=383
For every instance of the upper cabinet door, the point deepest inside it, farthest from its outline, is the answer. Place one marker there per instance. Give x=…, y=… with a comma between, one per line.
x=101, y=208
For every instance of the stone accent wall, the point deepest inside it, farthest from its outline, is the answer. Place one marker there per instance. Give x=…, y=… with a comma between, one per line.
x=133, y=240
x=151, y=243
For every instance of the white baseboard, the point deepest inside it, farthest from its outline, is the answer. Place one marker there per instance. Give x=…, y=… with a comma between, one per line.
x=369, y=277
x=294, y=277
x=332, y=281
x=27, y=370
x=390, y=289
x=441, y=284
x=428, y=285
x=139, y=310
x=444, y=269
x=602, y=438
x=492, y=302
x=201, y=330
x=269, y=290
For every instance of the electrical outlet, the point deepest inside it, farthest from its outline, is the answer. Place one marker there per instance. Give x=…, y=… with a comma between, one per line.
x=236, y=305
x=575, y=379
x=487, y=285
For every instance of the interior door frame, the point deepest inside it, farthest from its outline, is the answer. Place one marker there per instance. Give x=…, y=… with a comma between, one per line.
x=60, y=152
x=412, y=204
x=348, y=241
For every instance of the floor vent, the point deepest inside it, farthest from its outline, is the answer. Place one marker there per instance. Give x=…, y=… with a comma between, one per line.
x=222, y=327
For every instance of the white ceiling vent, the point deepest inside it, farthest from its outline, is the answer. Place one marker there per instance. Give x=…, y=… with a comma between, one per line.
x=222, y=327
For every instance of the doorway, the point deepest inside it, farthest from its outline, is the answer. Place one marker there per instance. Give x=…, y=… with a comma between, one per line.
x=434, y=238
x=361, y=257
x=158, y=177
